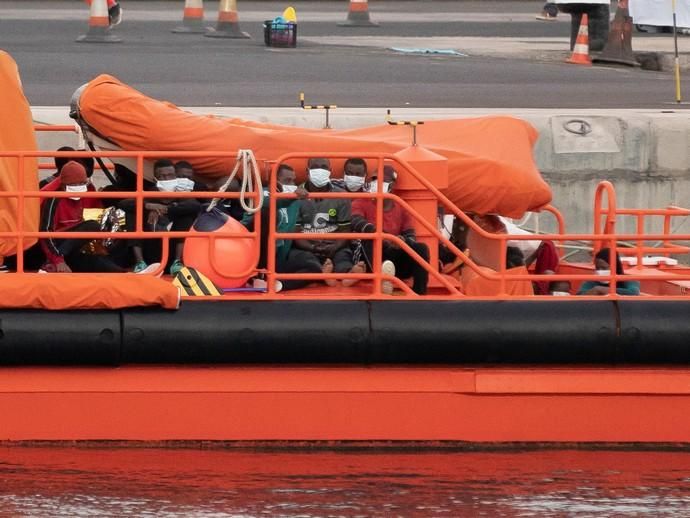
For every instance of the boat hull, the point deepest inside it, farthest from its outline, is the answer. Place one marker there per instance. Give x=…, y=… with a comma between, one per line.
x=346, y=403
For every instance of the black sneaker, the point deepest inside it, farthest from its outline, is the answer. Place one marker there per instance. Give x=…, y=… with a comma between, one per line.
x=115, y=15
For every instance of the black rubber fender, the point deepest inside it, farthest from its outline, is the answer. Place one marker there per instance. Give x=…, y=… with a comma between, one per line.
x=494, y=332
x=249, y=332
x=37, y=337
x=654, y=332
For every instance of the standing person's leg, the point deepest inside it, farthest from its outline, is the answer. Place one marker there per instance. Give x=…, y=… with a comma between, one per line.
x=575, y=21
x=549, y=12
x=551, y=9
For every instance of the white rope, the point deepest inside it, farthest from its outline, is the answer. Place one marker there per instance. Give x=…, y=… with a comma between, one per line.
x=250, y=176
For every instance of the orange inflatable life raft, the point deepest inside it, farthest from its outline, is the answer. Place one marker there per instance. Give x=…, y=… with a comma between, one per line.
x=490, y=163
x=17, y=135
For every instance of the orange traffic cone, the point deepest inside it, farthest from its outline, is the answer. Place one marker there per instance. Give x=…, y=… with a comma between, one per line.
x=193, y=18
x=358, y=15
x=618, y=49
x=581, y=50
x=228, y=22
x=99, y=25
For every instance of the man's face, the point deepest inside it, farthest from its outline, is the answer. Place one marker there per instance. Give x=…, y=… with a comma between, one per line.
x=165, y=173
x=184, y=172
x=286, y=177
x=355, y=170
x=319, y=163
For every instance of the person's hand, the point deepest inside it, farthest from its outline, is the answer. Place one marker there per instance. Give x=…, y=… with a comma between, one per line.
x=152, y=218
x=330, y=250
x=301, y=193
x=63, y=268
x=160, y=208
x=390, y=245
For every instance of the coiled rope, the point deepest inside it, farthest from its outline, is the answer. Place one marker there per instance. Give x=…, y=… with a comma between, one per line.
x=251, y=177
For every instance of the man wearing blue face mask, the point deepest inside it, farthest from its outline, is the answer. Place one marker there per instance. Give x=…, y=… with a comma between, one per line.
x=321, y=215
x=161, y=214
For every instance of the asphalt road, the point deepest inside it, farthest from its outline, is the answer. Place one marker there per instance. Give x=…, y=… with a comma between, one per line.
x=195, y=71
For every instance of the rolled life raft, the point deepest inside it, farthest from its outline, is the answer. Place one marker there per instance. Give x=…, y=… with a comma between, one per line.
x=482, y=177
x=491, y=169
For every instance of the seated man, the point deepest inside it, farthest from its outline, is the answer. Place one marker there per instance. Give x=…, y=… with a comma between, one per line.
x=397, y=222
x=288, y=258
x=161, y=214
x=230, y=206
x=354, y=176
x=320, y=215
x=185, y=177
x=66, y=215
x=602, y=265
x=52, y=182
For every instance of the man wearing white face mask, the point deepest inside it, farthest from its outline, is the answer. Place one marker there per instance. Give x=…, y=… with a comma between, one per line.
x=288, y=258
x=398, y=222
x=321, y=215
x=66, y=215
x=354, y=176
x=162, y=214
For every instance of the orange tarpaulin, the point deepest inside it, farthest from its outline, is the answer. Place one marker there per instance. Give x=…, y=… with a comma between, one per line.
x=16, y=134
x=86, y=291
x=474, y=285
x=491, y=169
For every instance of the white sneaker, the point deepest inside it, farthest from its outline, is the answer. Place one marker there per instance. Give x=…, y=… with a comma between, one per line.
x=150, y=269
x=387, y=268
x=278, y=286
x=259, y=284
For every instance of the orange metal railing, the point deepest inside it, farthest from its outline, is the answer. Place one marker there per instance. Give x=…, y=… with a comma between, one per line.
x=601, y=235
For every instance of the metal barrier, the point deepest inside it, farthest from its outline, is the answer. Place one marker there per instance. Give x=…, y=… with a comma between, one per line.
x=605, y=235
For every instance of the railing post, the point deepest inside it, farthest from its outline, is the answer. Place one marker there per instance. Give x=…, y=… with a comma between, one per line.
x=378, y=241
x=272, y=216
x=139, y=225
x=640, y=242
x=610, y=226
x=434, y=168
x=20, y=216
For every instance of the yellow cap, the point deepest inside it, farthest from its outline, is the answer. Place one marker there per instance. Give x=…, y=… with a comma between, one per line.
x=290, y=15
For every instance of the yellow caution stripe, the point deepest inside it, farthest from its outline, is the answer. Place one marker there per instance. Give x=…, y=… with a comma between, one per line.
x=405, y=123
x=314, y=106
x=194, y=283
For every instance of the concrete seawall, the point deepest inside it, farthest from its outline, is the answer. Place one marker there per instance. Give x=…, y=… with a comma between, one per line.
x=646, y=154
